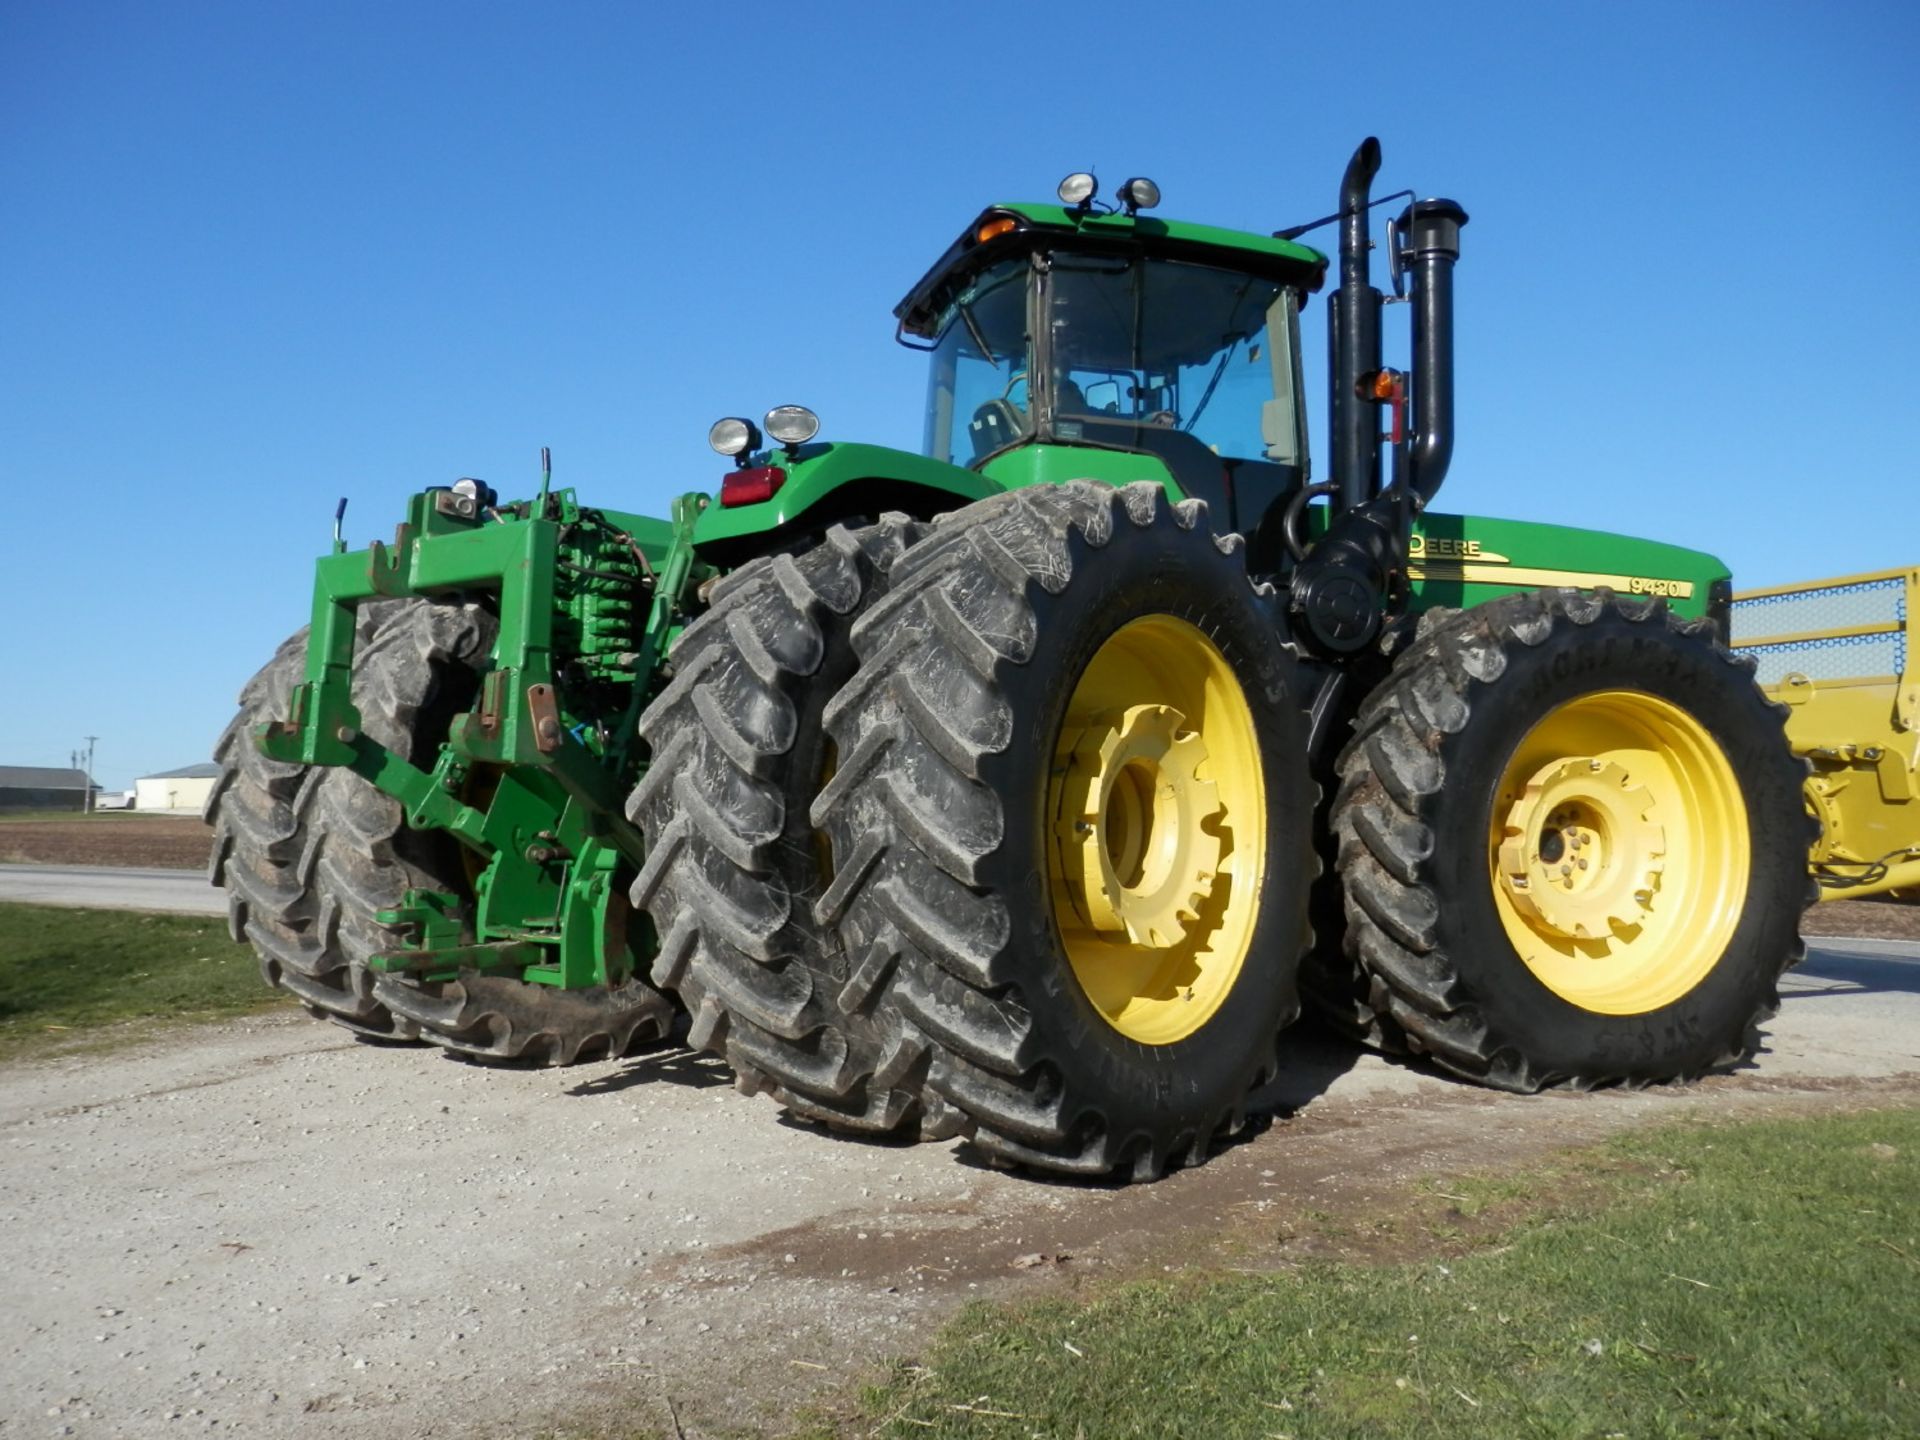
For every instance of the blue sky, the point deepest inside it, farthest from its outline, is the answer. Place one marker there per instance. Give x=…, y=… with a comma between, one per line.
x=260, y=256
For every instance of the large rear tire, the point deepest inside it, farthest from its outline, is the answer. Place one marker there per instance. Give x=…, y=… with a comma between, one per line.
x=733, y=861
x=1573, y=845
x=269, y=835
x=1071, y=827
x=420, y=669
x=1334, y=988
x=310, y=856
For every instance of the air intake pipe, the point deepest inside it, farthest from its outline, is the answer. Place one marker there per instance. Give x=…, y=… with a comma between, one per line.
x=1428, y=238
x=1344, y=587
x=1353, y=332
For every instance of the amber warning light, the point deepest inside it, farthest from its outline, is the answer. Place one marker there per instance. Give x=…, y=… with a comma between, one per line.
x=1388, y=387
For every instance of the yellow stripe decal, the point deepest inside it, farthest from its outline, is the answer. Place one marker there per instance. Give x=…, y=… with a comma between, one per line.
x=1525, y=575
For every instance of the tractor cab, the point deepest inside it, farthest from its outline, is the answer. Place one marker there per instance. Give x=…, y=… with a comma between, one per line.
x=1173, y=350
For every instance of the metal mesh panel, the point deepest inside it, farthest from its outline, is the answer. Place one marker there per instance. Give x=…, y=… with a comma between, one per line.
x=1830, y=659
x=1825, y=607
x=1832, y=607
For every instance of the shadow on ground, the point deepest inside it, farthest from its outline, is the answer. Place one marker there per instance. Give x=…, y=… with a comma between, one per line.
x=671, y=1063
x=1854, y=971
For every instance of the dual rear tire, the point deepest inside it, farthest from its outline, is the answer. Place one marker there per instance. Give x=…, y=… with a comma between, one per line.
x=269, y=824
x=739, y=747
x=1573, y=847
x=309, y=856
x=1067, y=820
x=1071, y=827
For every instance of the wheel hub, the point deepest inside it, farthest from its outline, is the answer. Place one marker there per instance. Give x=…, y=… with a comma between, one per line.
x=1582, y=849
x=1134, y=851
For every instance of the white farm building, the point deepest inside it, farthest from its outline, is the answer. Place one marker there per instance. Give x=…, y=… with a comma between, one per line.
x=185, y=789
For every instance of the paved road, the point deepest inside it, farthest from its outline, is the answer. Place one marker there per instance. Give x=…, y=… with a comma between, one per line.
x=100, y=887
x=1851, y=1009
x=268, y=1227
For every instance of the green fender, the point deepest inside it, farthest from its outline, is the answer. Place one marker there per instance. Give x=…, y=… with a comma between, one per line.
x=829, y=482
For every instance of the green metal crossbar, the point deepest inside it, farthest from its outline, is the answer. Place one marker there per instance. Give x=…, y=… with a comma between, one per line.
x=534, y=791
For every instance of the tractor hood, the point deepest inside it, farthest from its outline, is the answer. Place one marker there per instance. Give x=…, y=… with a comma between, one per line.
x=1462, y=560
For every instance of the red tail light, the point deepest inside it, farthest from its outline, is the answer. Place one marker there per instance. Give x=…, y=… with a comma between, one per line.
x=750, y=487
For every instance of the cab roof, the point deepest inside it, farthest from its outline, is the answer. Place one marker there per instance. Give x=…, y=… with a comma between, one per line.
x=1036, y=226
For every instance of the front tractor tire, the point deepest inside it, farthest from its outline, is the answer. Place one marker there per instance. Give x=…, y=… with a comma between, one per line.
x=272, y=832
x=311, y=855
x=1572, y=844
x=1071, y=828
x=734, y=865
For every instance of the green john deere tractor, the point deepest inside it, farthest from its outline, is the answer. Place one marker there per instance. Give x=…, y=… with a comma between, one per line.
x=1019, y=790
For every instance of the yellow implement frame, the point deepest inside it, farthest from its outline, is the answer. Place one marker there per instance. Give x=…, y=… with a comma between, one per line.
x=1854, y=689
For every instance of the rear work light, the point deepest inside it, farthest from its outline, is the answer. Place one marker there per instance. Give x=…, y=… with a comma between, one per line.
x=750, y=487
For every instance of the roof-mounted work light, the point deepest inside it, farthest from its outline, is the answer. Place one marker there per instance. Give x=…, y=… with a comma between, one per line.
x=792, y=424
x=1139, y=194
x=1078, y=190
x=734, y=437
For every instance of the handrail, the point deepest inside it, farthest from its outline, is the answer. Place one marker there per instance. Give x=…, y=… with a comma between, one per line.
x=1834, y=582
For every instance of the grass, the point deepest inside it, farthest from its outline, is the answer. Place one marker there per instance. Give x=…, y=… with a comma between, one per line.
x=82, y=974
x=1753, y=1280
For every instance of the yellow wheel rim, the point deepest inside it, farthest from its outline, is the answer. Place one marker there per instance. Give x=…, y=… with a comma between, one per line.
x=1156, y=829
x=1619, y=852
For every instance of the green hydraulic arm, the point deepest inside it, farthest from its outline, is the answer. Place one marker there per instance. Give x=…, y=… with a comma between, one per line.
x=549, y=841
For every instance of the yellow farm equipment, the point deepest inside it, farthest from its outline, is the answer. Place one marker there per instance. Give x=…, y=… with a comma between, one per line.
x=1844, y=655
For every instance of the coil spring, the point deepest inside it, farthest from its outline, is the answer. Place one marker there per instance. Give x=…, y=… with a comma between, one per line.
x=599, y=590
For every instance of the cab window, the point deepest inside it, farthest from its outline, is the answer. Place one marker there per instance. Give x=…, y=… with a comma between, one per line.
x=977, y=397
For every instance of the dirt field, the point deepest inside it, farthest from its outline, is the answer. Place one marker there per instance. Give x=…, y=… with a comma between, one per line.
x=170, y=842
x=1868, y=919
x=251, y=1225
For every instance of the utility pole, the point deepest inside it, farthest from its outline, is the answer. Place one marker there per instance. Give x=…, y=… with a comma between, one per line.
x=87, y=802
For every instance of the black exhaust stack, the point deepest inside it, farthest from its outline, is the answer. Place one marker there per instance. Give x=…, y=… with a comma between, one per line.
x=1348, y=582
x=1429, y=234
x=1353, y=333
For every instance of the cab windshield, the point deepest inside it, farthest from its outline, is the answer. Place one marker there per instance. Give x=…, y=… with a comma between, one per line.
x=1199, y=366
x=1140, y=350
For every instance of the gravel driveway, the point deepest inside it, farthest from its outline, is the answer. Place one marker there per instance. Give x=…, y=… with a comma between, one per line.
x=266, y=1227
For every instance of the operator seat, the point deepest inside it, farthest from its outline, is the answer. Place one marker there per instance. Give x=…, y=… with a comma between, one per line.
x=995, y=425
